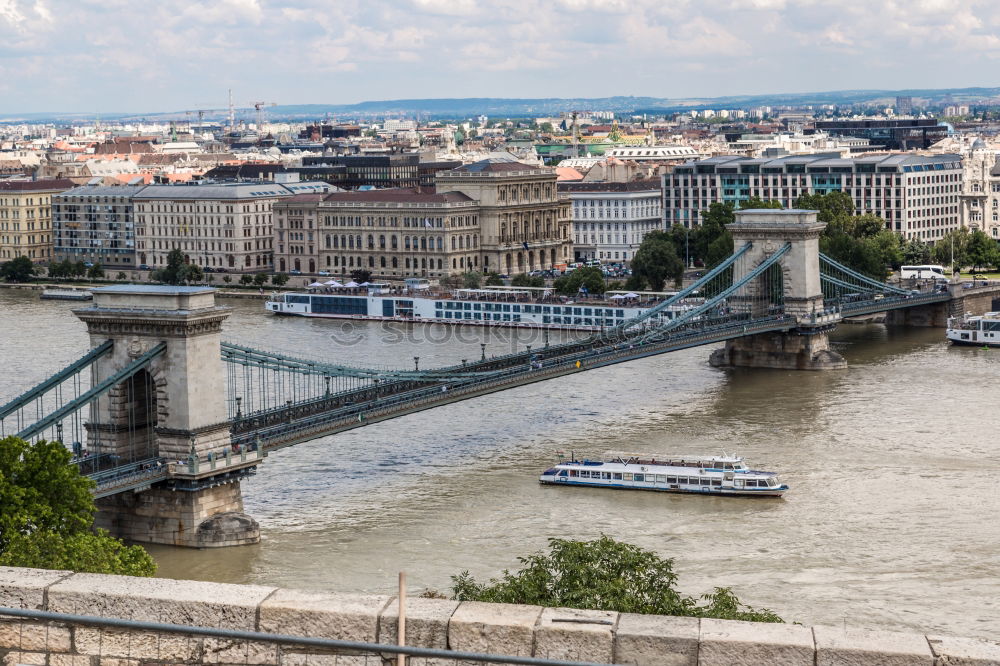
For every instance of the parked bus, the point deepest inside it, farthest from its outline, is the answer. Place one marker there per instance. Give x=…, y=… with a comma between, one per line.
x=926, y=272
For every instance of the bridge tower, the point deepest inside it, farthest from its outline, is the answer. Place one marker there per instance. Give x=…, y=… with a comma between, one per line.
x=807, y=346
x=174, y=411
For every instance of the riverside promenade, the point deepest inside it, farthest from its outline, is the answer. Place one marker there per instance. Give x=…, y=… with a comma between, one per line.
x=54, y=618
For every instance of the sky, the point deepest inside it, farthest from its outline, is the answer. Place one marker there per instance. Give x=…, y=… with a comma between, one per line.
x=136, y=56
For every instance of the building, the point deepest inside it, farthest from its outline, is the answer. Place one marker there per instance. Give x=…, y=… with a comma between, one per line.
x=904, y=105
x=95, y=224
x=26, y=218
x=494, y=215
x=917, y=195
x=524, y=221
x=395, y=170
x=393, y=233
x=611, y=219
x=219, y=226
x=980, y=198
x=895, y=134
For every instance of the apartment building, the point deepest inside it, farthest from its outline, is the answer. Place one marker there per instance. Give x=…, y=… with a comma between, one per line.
x=917, y=195
x=26, y=218
x=95, y=224
x=611, y=219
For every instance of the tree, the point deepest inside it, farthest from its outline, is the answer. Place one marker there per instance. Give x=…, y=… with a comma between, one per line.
x=472, y=280
x=227, y=279
x=916, y=252
x=246, y=279
x=952, y=245
x=656, y=260
x=525, y=280
x=981, y=250
x=588, y=276
x=173, y=272
x=79, y=269
x=278, y=279
x=888, y=247
x=494, y=280
x=121, y=276
x=191, y=273
x=260, y=279
x=47, y=515
x=603, y=574
x=95, y=272
x=868, y=225
x=19, y=269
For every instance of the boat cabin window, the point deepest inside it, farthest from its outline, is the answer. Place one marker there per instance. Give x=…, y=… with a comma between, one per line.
x=562, y=473
x=626, y=476
x=617, y=476
x=772, y=483
x=706, y=482
x=606, y=475
x=682, y=479
x=638, y=477
x=671, y=479
x=660, y=478
x=751, y=483
x=572, y=472
x=716, y=482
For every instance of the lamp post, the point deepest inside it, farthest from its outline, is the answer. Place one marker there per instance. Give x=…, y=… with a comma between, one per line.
x=416, y=364
x=482, y=347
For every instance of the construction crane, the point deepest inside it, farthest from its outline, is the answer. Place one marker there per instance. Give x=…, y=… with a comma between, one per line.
x=201, y=114
x=259, y=107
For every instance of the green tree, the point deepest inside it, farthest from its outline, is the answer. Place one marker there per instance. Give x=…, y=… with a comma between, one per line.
x=981, y=250
x=952, y=245
x=525, y=280
x=868, y=226
x=472, y=280
x=173, y=272
x=121, y=276
x=191, y=273
x=47, y=515
x=546, y=127
x=656, y=260
x=246, y=279
x=278, y=279
x=603, y=574
x=360, y=275
x=916, y=252
x=19, y=269
x=588, y=276
x=79, y=269
x=260, y=279
x=227, y=279
x=888, y=246
x=95, y=272
x=494, y=280
x=834, y=208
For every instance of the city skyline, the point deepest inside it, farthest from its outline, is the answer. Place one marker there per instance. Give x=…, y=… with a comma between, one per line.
x=112, y=56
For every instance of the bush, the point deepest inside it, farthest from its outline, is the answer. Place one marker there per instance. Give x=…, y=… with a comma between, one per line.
x=604, y=575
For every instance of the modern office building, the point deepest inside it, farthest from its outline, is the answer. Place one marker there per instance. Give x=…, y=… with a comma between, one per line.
x=611, y=219
x=95, y=224
x=917, y=195
x=26, y=218
x=895, y=134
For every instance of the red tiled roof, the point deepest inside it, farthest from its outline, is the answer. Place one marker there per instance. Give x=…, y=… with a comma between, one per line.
x=36, y=185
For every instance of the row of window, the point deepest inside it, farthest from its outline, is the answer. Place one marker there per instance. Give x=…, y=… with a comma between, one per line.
x=661, y=478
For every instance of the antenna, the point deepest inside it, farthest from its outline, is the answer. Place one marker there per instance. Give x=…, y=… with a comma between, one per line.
x=232, y=112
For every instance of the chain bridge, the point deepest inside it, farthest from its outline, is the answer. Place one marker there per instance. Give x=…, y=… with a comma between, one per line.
x=166, y=418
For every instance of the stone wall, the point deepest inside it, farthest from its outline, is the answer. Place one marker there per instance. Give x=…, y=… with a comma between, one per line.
x=555, y=633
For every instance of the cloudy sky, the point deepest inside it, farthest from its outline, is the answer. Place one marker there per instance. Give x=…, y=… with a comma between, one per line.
x=140, y=55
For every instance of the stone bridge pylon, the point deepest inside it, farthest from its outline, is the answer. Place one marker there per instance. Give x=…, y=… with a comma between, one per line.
x=174, y=410
x=807, y=347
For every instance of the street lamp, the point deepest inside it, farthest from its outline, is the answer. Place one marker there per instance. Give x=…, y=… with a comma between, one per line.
x=482, y=346
x=416, y=364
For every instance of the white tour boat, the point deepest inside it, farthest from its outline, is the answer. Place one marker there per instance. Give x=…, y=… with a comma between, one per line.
x=978, y=330
x=704, y=475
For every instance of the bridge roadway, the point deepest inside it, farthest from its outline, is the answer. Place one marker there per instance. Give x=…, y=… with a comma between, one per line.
x=257, y=434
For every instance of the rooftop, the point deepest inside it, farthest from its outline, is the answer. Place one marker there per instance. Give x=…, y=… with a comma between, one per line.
x=399, y=195
x=36, y=185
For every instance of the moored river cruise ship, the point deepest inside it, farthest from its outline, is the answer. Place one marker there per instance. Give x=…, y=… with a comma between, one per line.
x=483, y=307
x=978, y=330
x=703, y=475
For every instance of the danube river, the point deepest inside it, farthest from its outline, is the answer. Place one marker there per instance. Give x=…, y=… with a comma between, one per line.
x=891, y=520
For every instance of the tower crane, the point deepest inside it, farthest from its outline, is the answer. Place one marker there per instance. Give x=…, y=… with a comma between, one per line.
x=259, y=107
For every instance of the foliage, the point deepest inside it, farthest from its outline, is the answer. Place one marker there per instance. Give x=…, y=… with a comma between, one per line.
x=472, y=280
x=260, y=279
x=635, y=282
x=656, y=260
x=360, y=275
x=588, y=276
x=494, y=280
x=227, y=279
x=19, y=269
x=603, y=574
x=278, y=279
x=981, y=250
x=67, y=269
x=953, y=243
x=95, y=272
x=246, y=279
x=177, y=270
x=916, y=252
x=861, y=242
x=47, y=515
x=525, y=280
x=121, y=276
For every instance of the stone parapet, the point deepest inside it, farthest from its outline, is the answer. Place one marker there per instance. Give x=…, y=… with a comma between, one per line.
x=525, y=631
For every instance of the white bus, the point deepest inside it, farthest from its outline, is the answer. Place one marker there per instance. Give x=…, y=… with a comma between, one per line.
x=926, y=272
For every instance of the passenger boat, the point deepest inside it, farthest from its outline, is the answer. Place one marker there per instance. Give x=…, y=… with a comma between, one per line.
x=703, y=475
x=67, y=294
x=978, y=330
x=484, y=307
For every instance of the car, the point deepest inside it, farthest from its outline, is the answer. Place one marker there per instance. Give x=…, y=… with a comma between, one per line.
x=324, y=273
x=88, y=264
x=295, y=271
x=143, y=267
x=207, y=269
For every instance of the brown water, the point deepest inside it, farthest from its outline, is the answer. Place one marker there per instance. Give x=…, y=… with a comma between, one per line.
x=891, y=520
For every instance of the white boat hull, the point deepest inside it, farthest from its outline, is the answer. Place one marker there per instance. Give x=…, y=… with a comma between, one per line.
x=666, y=488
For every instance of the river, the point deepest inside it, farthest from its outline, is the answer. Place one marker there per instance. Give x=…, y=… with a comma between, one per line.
x=890, y=521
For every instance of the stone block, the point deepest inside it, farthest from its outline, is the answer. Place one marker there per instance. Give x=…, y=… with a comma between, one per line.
x=160, y=600
x=426, y=622
x=32, y=636
x=27, y=658
x=143, y=645
x=952, y=651
x=840, y=646
x=571, y=634
x=25, y=588
x=229, y=651
x=506, y=629
x=311, y=659
x=70, y=660
x=656, y=640
x=351, y=617
x=732, y=643
x=112, y=661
